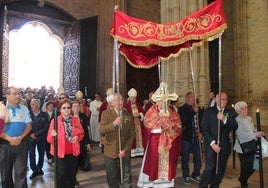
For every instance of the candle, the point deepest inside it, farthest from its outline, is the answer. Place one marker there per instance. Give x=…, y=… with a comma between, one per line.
x=234, y=114
x=258, y=120
x=260, y=150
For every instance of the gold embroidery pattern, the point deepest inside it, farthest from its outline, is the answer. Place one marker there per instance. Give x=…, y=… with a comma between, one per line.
x=163, y=167
x=137, y=124
x=164, y=31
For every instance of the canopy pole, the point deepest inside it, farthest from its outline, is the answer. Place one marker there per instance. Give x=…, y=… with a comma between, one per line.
x=196, y=118
x=159, y=70
x=118, y=101
x=220, y=110
x=114, y=56
x=116, y=88
x=56, y=149
x=175, y=75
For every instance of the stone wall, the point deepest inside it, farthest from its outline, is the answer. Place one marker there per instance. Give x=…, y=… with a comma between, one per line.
x=177, y=71
x=251, y=57
x=144, y=9
x=79, y=8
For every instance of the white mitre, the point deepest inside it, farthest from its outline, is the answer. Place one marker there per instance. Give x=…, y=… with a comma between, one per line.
x=132, y=92
x=109, y=91
x=79, y=95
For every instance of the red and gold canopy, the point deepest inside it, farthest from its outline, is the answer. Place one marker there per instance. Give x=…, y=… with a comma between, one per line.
x=143, y=42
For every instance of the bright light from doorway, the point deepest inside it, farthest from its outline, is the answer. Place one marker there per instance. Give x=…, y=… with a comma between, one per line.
x=34, y=57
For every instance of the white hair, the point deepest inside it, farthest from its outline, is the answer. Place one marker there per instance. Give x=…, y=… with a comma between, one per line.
x=109, y=98
x=239, y=105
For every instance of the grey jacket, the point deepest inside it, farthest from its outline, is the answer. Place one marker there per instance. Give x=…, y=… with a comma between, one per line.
x=245, y=132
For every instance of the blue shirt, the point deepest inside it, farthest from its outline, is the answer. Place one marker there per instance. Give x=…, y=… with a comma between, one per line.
x=19, y=118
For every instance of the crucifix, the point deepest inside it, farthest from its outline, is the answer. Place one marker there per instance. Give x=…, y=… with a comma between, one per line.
x=162, y=94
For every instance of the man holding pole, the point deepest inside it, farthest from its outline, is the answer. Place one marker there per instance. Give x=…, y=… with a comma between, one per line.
x=118, y=132
x=216, y=125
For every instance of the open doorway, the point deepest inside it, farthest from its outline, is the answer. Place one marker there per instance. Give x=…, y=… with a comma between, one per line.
x=35, y=56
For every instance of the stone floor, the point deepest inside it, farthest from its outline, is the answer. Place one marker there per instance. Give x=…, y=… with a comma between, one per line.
x=96, y=178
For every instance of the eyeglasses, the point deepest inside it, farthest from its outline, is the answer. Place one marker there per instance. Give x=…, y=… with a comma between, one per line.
x=66, y=107
x=16, y=93
x=62, y=98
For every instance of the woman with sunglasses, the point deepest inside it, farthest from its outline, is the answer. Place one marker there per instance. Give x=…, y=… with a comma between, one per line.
x=69, y=134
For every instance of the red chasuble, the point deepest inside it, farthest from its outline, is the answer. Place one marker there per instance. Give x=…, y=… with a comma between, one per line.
x=163, y=148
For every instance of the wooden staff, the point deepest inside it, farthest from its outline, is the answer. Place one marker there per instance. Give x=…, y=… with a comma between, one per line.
x=116, y=84
x=219, y=121
x=85, y=92
x=117, y=87
x=120, y=159
x=159, y=70
x=218, y=142
x=196, y=118
x=56, y=148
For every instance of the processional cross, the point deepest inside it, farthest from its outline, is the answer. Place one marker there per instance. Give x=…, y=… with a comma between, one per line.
x=162, y=94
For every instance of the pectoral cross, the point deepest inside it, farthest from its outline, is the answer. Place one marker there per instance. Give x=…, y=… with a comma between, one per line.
x=162, y=94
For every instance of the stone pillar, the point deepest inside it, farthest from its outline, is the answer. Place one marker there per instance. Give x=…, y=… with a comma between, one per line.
x=177, y=70
x=251, y=34
x=106, y=46
x=241, y=51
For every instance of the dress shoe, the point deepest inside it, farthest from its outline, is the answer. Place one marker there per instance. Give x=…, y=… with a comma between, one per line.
x=77, y=184
x=50, y=161
x=41, y=172
x=34, y=174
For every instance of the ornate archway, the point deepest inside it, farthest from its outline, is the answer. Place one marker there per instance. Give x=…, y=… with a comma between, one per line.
x=34, y=47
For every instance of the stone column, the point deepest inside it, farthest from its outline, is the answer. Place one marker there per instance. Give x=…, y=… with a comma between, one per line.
x=180, y=77
x=241, y=51
x=251, y=42
x=106, y=46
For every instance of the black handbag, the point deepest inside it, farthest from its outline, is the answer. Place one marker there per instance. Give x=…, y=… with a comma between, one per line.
x=249, y=147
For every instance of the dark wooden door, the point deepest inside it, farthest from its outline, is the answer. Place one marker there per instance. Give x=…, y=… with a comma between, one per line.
x=143, y=80
x=71, y=60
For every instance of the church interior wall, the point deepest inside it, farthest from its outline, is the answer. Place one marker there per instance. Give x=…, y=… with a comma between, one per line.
x=251, y=44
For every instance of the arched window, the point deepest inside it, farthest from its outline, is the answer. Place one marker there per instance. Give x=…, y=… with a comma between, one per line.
x=35, y=56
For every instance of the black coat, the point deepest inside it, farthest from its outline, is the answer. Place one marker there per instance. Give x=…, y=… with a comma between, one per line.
x=189, y=133
x=40, y=124
x=209, y=127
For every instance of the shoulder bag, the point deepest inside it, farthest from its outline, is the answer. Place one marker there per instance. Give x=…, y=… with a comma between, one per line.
x=249, y=147
x=264, y=147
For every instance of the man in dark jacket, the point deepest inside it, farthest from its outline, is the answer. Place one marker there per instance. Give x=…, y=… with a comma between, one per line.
x=37, y=138
x=216, y=125
x=190, y=118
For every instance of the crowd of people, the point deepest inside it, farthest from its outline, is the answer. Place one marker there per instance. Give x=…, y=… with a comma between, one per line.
x=160, y=131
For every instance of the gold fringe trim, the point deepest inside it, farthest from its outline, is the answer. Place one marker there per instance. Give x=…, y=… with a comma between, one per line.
x=196, y=44
x=207, y=36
